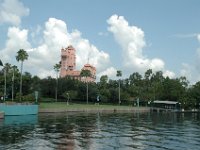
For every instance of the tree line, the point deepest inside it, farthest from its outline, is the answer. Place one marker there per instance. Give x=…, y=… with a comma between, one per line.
x=147, y=87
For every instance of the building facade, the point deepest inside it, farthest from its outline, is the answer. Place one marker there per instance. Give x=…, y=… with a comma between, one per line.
x=68, y=66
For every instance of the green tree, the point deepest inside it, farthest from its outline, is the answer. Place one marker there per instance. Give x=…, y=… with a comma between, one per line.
x=13, y=80
x=27, y=83
x=147, y=87
x=103, y=81
x=135, y=79
x=8, y=71
x=157, y=80
x=86, y=74
x=135, y=84
x=22, y=55
x=193, y=94
x=1, y=64
x=119, y=74
x=57, y=69
x=35, y=84
x=69, y=95
x=1, y=79
x=103, y=88
x=48, y=87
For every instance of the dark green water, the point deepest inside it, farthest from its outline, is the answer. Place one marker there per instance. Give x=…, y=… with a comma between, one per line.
x=101, y=131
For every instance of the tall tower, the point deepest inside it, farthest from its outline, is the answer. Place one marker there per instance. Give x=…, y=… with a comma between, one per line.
x=68, y=66
x=68, y=60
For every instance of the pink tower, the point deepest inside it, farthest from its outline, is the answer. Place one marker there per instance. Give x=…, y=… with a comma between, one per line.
x=68, y=66
x=68, y=60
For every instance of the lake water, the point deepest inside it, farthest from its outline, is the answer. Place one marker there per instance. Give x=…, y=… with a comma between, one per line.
x=101, y=131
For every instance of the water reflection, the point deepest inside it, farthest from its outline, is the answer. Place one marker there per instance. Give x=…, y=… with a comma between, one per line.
x=15, y=129
x=20, y=120
x=103, y=131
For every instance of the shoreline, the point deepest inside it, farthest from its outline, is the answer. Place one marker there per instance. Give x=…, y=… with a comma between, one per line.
x=92, y=110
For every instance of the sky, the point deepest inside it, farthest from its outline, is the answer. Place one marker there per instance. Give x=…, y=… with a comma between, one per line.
x=129, y=35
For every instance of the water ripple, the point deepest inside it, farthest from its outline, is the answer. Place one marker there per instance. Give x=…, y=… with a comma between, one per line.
x=104, y=132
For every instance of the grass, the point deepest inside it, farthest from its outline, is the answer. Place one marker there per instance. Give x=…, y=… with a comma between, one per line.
x=57, y=107
x=63, y=105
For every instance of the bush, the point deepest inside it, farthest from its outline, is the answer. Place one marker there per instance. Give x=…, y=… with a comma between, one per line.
x=29, y=98
x=17, y=96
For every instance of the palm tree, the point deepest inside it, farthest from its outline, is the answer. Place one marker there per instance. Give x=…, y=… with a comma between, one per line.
x=119, y=74
x=13, y=79
x=57, y=69
x=21, y=56
x=1, y=64
x=86, y=74
x=6, y=69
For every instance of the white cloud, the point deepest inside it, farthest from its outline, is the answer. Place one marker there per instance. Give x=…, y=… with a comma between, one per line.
x=198, y=59
x=193, y=71
x=169, y=74
x=190, y=71
x=132, y=41
x=45, y=55
x=85, y=50
x=57, y=35
x=110, y=72
x=11, y=11
x=186, y=70
x=103, y=34
x=17, y=39
x=36, y=32
x=197, y=67
x=185, y=35
x=198, y=37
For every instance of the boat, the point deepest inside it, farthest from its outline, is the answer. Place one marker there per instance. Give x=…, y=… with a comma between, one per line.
x=19, y=109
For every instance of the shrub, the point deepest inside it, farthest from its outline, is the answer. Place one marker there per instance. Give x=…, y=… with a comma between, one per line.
x=29, y=98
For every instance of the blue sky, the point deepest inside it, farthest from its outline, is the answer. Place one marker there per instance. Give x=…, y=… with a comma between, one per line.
x=129, y=35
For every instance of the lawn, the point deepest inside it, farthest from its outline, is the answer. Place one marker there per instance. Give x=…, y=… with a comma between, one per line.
x=56, y=107
x=63, y=105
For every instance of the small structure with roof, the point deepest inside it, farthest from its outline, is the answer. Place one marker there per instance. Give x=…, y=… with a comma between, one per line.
x=160, y=106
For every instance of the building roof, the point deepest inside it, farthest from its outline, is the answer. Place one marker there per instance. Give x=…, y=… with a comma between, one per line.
x=90, y=66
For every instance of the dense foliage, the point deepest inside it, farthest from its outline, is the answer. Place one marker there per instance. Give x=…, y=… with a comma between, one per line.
x=148, y=87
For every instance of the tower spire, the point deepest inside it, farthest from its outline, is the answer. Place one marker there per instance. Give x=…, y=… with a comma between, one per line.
x=88, y=59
